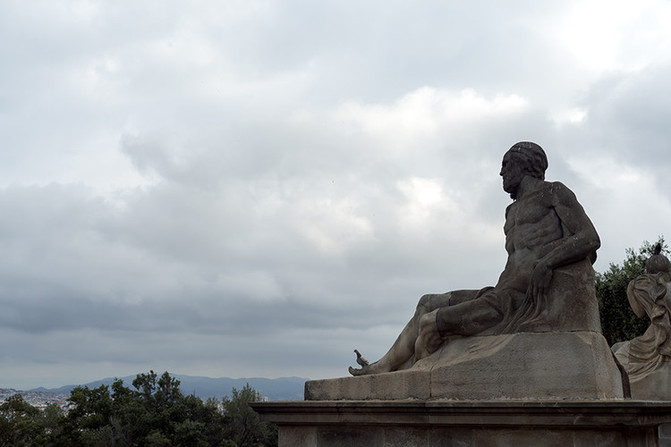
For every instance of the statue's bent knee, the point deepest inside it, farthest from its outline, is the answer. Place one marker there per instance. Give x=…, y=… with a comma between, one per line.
x=432, y=301
x=423, y=304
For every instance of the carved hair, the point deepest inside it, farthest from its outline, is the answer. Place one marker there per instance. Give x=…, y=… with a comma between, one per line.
x=533, y=158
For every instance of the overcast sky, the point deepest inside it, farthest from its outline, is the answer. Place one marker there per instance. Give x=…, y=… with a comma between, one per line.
x=255, y=188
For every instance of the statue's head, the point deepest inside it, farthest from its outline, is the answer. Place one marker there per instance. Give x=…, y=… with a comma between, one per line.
x=524, y=158
x=531, y=157
x=658, y=263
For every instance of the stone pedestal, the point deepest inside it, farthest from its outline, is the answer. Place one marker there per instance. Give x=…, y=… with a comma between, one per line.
x=526, y=389
x=649, y=377
x=531, y=366
x=655, y=386
x=468, y=423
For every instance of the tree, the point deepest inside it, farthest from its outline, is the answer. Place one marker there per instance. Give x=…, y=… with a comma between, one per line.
x=87, y=423
x=153, y=413
x=618, y=321
x=244, y=426
x=19, y=423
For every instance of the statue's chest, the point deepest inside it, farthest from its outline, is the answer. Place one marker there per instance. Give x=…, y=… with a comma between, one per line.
x=531, y=209
x=529, y=216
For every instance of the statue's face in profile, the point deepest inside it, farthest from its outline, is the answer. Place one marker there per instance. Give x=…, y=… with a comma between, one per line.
x=512, y=172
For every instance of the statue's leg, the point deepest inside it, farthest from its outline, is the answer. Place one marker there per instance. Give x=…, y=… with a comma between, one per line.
x=402, y=351
x=470, y=317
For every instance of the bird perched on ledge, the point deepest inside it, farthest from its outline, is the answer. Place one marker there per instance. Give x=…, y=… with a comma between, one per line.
x=359, y=359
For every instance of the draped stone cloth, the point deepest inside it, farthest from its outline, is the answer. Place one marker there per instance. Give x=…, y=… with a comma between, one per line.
x=570, y=305
x=648, y=295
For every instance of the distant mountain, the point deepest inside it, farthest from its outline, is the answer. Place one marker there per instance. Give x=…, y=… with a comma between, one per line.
x=284, y=388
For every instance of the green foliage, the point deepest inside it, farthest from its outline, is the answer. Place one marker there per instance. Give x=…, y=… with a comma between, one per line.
x=244, y=426
x=618, y=321
x=153, y=414
x=21, y=424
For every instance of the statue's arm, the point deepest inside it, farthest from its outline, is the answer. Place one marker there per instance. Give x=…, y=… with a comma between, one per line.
x=580, y=239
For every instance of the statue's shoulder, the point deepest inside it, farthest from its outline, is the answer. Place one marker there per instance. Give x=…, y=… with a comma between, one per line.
x=650, y=281
x=559, y=191
x=557, y=187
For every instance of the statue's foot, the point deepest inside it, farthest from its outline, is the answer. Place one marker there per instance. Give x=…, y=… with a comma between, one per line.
x=364, y=370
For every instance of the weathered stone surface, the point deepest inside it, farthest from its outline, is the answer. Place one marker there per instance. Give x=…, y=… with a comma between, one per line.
x=534, y=366
x=298, y=436
x=412, y=383
x=654, y=386
x=469, y=423
x=564, y=365
x=647, y=359
x=571, y=303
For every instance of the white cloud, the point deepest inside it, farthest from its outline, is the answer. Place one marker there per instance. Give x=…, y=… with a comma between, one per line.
x=424, y=115
x=251, y=176
x=423, y=197
x=575, y=115
x=616, y=35
x=333, y=225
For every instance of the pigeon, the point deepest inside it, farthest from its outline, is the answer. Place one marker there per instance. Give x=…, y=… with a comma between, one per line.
x=359, y=359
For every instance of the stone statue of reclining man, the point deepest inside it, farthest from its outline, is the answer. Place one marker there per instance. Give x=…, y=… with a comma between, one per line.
x=547, y=233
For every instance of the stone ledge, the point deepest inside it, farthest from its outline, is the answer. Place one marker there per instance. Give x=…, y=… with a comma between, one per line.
x=576, y=413
x=531, y=366
x=468, y=423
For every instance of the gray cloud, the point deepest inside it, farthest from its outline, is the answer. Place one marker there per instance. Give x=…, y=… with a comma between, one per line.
x=256, y=189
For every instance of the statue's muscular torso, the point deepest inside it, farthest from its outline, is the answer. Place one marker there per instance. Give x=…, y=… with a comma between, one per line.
x=532, y=229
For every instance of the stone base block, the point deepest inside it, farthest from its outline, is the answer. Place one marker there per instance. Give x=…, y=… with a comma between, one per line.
x=469, y=423
x=531, y=366
x=655, y=385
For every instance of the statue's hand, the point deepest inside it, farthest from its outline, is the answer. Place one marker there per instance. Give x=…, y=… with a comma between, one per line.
x=428, y=340
x=540, y=281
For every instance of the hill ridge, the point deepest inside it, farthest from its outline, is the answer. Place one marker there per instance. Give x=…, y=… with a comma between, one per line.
x=281, y=388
